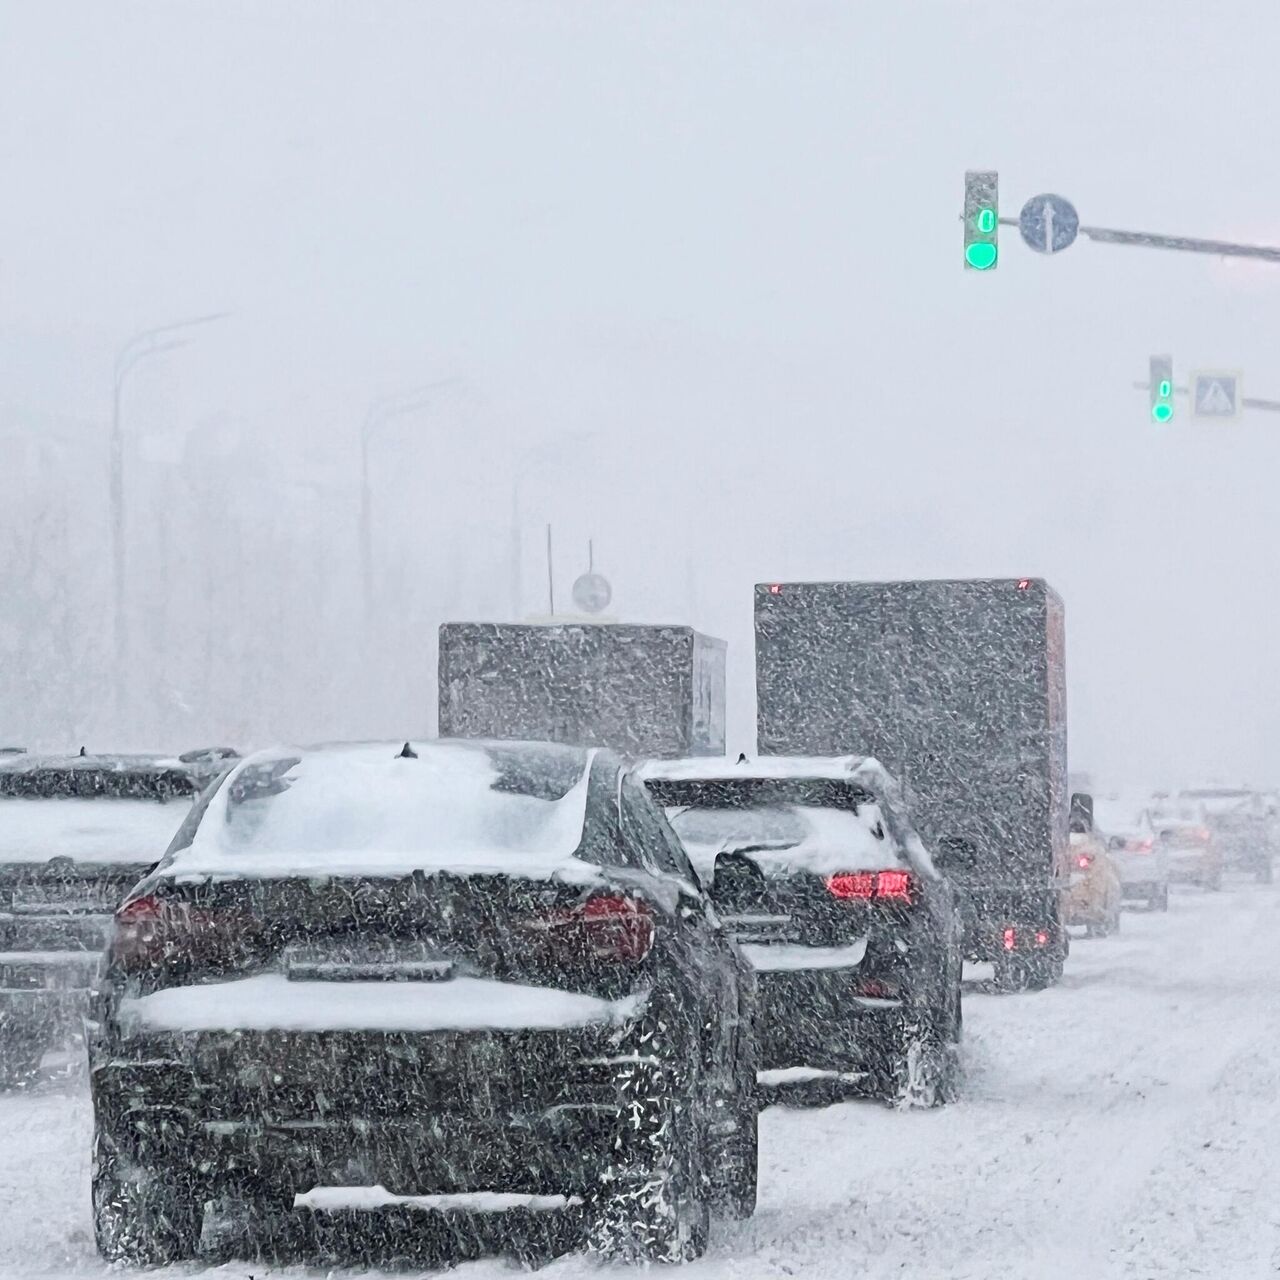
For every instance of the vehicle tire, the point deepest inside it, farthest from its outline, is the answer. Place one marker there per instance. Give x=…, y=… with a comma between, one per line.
x=142, y=1216
x=1011, y=973
x=20, y=1059
x=736, y=1158
x=1045, y=970
x=922, y=1070
x=654, y=1202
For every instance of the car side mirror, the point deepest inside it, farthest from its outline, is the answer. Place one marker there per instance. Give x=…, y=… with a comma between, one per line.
x=736, y=882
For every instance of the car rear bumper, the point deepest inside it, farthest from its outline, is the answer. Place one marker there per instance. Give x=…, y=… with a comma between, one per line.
x=298, y=1111
x=1141, y=890
x=818, y=1018
x=43, y=996
x=1194, y=870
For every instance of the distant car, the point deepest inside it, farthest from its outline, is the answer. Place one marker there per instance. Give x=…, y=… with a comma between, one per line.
x=1139, y=856
x=1193, y=854
x=1094, y=893
x=76, y=832
x=1242, y=825
x=855, y=936
x=444, y=968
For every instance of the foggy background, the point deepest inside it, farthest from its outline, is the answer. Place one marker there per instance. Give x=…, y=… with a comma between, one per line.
x=696, y=270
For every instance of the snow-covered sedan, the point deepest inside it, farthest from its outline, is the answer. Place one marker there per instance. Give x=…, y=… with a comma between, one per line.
x=454, y=970
x=854, y=934
x=76, y=833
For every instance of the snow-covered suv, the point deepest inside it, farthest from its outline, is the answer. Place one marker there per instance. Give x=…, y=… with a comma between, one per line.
x=854, y=934
x=441, y=969
x=76, y=833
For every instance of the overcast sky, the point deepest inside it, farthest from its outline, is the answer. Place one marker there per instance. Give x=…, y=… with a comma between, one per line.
x=722, y=239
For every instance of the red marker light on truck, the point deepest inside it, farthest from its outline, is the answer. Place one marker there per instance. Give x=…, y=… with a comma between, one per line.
x=1010, y=939
x=1024, y=584
x=776, y=589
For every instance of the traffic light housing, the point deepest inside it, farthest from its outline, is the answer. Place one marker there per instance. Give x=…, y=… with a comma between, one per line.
x=981, y=219
x=1161, y=383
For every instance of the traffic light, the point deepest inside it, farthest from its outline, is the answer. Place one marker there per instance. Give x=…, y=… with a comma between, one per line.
x=981, y=219
x=1161, y=383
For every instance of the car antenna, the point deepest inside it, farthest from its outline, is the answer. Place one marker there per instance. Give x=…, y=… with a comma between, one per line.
x=83, y=752
x=407, y=753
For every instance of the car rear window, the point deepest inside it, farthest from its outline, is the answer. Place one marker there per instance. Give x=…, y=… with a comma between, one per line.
x=372, y=810
x=785, y=838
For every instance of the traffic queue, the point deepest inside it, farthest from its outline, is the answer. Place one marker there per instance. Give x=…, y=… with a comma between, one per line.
x=564, y=952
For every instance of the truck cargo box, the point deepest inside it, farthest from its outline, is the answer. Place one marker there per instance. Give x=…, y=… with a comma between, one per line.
x=641, y=690
x=959, y=689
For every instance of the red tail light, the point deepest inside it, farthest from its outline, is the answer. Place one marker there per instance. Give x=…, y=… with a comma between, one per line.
x=1042, y=938
x=884, y=886
x=875, y=989
x=1140, y=846
x=153, y=930
x=607, y=926
x=1084, y=862
x=1010, y=939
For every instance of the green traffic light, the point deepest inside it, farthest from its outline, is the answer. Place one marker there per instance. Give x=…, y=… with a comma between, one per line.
x=980, y=256
x=1162, y=412
x=986, y=221
x=1166, y=390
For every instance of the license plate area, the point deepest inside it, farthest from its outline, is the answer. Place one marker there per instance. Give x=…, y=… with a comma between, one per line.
x=366, y=962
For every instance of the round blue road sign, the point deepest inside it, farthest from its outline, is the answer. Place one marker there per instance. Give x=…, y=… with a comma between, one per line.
x=1048, y=223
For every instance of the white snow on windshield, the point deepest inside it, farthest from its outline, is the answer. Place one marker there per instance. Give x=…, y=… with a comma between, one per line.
x=108, y=831
x=364, y=810
x=784, y=838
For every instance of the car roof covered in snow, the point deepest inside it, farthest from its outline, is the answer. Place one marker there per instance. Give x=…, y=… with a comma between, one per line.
x=864, y=769
x=391, y=809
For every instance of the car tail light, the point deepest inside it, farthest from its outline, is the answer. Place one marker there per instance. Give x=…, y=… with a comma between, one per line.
x=1042, y=938
x=1084, y=862
x=1140, y=846
x=1009, y=939
x=876, y=989
x=153, y=930
x=606, y=926
x=864, y=886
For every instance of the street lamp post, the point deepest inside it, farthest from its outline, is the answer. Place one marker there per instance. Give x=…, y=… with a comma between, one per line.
x=150, y=342
x=381, y=412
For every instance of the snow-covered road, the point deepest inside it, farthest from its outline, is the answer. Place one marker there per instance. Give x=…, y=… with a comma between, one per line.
x=1126, y=1124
